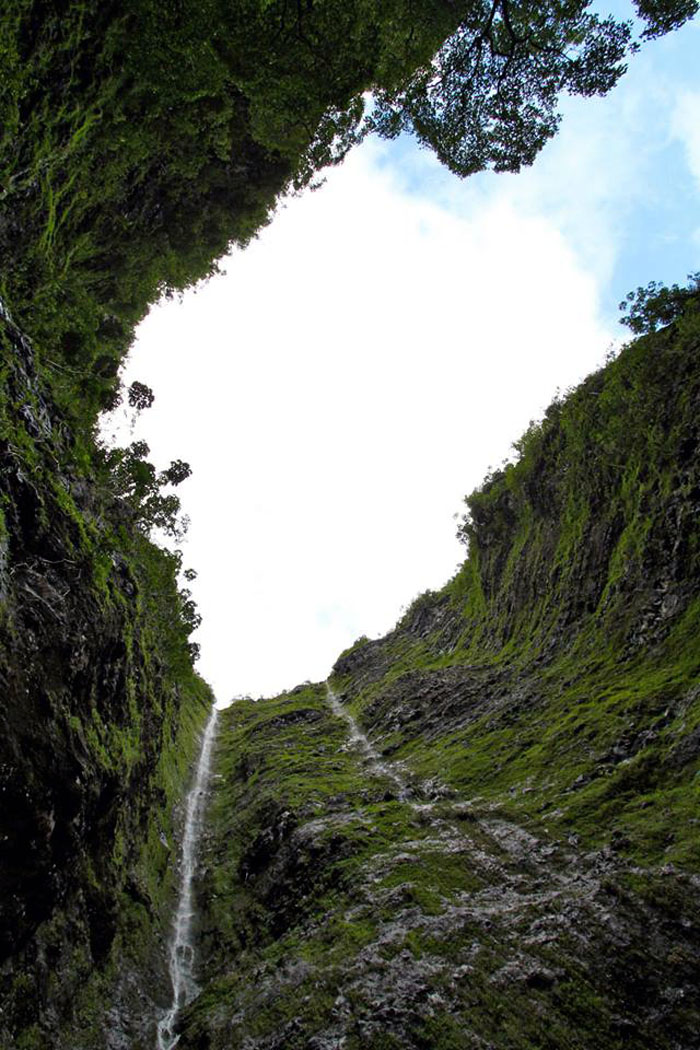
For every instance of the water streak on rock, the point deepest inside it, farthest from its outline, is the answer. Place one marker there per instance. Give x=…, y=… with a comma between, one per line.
x=375, y=764
x=185, y=987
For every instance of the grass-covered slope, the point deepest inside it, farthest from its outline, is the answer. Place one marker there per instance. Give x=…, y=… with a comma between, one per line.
x=98, y=726
x=516, y=866
x=560, y=669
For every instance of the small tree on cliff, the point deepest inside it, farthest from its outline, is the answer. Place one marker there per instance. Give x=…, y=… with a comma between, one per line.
x=134, y=479
x=657, y=305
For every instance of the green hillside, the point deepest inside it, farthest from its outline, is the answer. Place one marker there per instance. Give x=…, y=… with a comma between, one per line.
x=512, y=859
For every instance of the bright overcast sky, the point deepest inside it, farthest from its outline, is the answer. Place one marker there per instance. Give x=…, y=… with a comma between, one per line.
x=358, y=368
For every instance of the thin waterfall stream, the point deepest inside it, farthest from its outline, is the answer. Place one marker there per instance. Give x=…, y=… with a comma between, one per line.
x=373, y=759
x=181, y=956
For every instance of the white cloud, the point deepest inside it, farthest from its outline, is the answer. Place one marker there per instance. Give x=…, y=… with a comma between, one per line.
x=337, y=392
x=362, y=363
x=686, y=127
x=593, y=175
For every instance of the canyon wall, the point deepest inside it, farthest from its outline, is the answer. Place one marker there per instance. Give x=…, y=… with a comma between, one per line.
x=483, y=831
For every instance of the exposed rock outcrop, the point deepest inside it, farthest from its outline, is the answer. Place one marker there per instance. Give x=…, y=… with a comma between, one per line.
x=98, y=724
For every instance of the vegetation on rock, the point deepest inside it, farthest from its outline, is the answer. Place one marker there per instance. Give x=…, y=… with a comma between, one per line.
x=656, y=305
x=138, y=140
x=535, y=882
x=99, y=723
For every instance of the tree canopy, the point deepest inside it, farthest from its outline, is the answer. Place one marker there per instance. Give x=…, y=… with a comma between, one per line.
x=489, y=97
x=658, y=305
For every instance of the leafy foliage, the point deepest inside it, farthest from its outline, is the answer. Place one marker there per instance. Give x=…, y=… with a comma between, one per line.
x=662, y=16
x=657, y=304
x=489, y=98
x=140, y=396
x=135, y=481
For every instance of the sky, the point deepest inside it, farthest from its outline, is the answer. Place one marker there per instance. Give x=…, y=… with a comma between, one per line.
x=359, y=367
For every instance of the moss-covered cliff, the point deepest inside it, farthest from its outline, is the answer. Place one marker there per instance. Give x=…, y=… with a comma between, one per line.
x=138, y=140
x=99, y=724
x=510, y=859
x=545, y=696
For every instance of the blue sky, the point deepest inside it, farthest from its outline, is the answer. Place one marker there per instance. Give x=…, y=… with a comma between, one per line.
x=650, y=199
x=356, y=370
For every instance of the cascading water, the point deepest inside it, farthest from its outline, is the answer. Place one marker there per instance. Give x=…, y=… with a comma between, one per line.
x=372, y=758
x=181, y=945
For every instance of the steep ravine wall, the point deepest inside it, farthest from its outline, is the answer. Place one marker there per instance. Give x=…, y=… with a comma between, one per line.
x=138, y=143
x=536, y=885
x=99, y=724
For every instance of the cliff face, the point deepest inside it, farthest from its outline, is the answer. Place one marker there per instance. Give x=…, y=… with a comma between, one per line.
x=525, y=807
x=196, y=117
x=99, y=722
x=485, y=835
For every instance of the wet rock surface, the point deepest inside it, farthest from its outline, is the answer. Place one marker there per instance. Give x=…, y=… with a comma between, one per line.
x=84, y=720
x=386, y=923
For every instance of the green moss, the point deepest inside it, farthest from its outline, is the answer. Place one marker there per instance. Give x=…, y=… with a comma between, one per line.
x=548, y=696
x=553, y=599
x=119, y=720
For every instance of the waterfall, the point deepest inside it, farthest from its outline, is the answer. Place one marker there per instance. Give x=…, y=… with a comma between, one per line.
x=373, y=760
x=181, y=959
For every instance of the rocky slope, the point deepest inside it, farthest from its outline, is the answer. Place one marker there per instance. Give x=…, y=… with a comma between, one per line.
x=99, y=722
x=509, y=858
